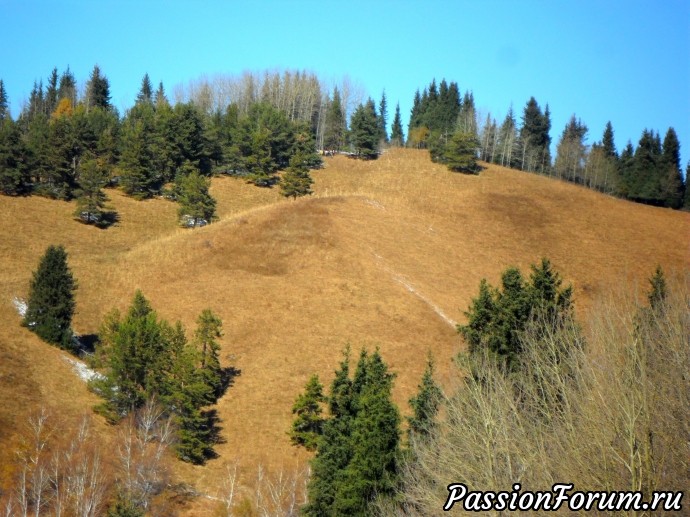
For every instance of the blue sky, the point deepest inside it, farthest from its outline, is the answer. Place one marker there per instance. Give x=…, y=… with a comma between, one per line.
x=624, y=61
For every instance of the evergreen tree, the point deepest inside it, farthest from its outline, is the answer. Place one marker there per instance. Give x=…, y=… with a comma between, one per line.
x=365, y=131
x=209, y=329
x=98, y=90
x=90, y=196
x=397, y=136
x=146, y=91
x=608, y=143
x=296, y=181
x=534, y=137
x=625, y=171
x=308, y=424
x=196, y=204
x=4, y=103
x=498, y=317
x=51, y=299
x=14, y=172
x=460, y=153
x=68, y=87
x=335, y=124
x=645, y=176
x=425, y=405
x=357, y=456
x=671, y=176
x=51, y=97
x=139, y=175
x=686, y=199
x=383, y=117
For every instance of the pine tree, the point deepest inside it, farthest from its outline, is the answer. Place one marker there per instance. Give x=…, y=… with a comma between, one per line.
x=365, y=131
x=296, y=181
x=98, y=90
x=51, y=299
x=383, y=117
x=645, y=175
x=336, y=127
x=397, y=137
x=671, y=176
x=308, y=424
x=90, y=196
x=51, y=97
x=209, y=329
x=14, y=170
x=608, y=143
x=460, y=153
x=139, y=175
x=68, y=87
x=534, y=137
x=197, y=207
x=146, y=91
x=425, y=405
x=4, y=103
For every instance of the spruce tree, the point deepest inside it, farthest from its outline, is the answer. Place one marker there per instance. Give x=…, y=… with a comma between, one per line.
x=196, y=204
x=140, y=177
x=90, y=196
x=51, y=305
x=425, y=405
x=658, y=292
x=209, y=329
x=98, y=90
x=335, y=124
x=146, y=91
x=383, y=117
x=296, y=181
x=51, y=97
x=308, y=424
x=671, y=176
x=4, y=103
x=14, y=170
x=608, y=143
x=397, y=137
x=365, y=131
x=460, y=153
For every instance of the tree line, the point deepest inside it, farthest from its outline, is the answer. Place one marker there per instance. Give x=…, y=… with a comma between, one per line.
x=447, y=125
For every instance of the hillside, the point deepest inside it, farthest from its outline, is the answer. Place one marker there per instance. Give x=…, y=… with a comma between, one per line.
x=386, y=253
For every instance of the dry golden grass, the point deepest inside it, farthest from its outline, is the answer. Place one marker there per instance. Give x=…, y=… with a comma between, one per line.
x=387, y=253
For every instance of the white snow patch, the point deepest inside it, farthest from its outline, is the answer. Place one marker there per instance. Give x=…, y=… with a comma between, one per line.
x=84, y=372
x=20, y=305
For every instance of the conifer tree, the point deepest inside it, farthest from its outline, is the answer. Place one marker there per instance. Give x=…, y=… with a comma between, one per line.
x=14, y=170
x=4, y=103
x=51, y=97
x=608, y=143
x=195, y=202
x=397, y=136
x=365, y=131
x=209, y=329
x=335, y=124
x=657, y=294
x=139, y=177
x=51, y=305
x=90, y=196
x=146, y=91
x=296, y=181
x=460, y=152
x=383, y=117
x=98, y=90
x=671, y=177
x=68, y=87
x=425, y=405
x=308, y=424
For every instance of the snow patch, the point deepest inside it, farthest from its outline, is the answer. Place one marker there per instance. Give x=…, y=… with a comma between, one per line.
x=20, y=305
x=84, y=372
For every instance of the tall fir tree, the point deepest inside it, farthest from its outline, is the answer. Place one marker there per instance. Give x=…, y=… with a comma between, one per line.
x=383, y=117
x=90, y=196
x=425, y=405
x=4, y=103
x=608, y=143
x=51, y=304
x=146, y=91
x=97, y=90
x=365, y=131
x=397, y=136
x=196, y=204
x=209, y=329
x=671, y=176
x=335, y=124
x=296, y=181
x=14, y=169
x=308, y=424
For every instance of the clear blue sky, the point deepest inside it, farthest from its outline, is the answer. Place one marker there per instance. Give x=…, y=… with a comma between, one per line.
x=627, y=61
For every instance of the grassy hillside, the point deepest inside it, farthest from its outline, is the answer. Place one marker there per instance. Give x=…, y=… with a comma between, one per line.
x=386, y=253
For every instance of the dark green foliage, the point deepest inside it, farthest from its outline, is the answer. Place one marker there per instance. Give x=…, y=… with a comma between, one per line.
x=97, y=90
x=608, y=143
x=335, y=126
x=658, y=291
x=139, y=176
x=296, y=181
x=460, y=153
x=497, y=318
x=14, y=177
x=123, y=507
x=672, y=187
x=51, y=299
x=425, y=405
x=644, y=179
x=308, y=424
x=90, y=196
x=383, y=118
x=535, y=141
x=196, y=204
x=148, y=358
x=397, y=136
x=437, y=110
x=365, y=131
x=357, y=457
x=686, y=199
x=4, y=103
x=68, y=87
x=146, y=91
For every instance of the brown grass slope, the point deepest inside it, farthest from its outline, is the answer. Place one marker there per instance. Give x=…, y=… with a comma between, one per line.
x=387, y=253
